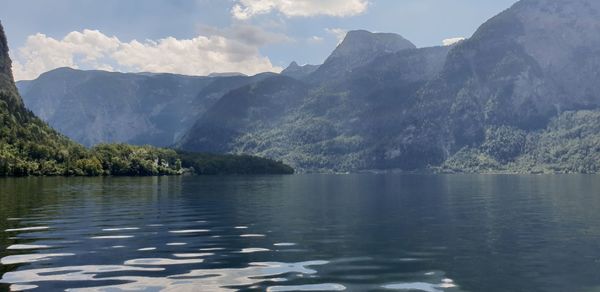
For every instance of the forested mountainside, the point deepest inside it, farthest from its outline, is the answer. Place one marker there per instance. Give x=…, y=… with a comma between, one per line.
x=330, y=125
x=28, y=146
x=379, y=103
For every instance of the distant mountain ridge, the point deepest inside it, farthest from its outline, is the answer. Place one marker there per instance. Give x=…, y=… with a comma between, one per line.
x=92, y=107
x=299, y=72
x=515, y=97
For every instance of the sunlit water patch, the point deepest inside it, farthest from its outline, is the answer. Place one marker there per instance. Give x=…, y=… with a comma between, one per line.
x=27, y=246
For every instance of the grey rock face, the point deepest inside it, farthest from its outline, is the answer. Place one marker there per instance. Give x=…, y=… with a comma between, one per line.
x=95, y=107
x=7, y=85
x=357, y=49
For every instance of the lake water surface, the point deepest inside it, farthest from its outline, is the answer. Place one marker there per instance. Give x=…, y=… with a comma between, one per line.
x=301, y=233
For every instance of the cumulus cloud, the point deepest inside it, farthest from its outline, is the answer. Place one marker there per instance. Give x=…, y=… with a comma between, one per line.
x=452, y=41
x=245, y=9
x=42, y=53
x=204, y=54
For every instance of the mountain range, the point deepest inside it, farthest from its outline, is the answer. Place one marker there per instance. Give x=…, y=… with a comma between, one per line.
x=92, y=107
x=520, y=95
x=28, y=146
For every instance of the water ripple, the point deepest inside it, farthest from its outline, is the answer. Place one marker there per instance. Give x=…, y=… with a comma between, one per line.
x=314, y=287
x=169, y=243
x=189, y=231
x=112, y=237
x=35, y=228
x=161, y=262
x=30, y=258
x=27, y=246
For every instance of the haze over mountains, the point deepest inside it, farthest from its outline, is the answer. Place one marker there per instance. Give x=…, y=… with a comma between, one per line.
x=516, y=96
x=94, y=107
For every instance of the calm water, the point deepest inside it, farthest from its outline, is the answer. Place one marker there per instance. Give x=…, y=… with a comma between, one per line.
x=304, y=232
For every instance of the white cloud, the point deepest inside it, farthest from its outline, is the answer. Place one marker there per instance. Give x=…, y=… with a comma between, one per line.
x=204, y=54
x=315, y=39
x=42, y=53
x=452, y=41
x=338, y=33
x=245, y=9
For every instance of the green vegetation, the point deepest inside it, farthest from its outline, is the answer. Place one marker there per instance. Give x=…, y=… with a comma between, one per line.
x=570, y=144
x=28, y=146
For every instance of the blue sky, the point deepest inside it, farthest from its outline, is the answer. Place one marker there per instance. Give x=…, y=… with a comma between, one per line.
x=201, y=36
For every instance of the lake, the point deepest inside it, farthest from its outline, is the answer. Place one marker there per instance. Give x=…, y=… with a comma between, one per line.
x=302, y=233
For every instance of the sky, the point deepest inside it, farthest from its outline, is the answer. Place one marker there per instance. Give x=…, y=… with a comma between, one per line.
x=199, y=37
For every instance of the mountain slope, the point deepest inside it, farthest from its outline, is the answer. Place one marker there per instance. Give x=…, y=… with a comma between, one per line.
x=26, y=143
x=324, y=126
x=374, y=106
x=517, y=70
x=257, y=106
x=7, y=87
x=91, y=107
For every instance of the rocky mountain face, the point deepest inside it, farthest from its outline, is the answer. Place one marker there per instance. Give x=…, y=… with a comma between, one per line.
x=94, y=107
x=518, y=70
x=358, y=48
x=379, y=103
x=7, y=85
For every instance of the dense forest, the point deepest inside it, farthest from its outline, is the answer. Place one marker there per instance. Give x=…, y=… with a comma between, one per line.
x=570, y=144
x=28, y=146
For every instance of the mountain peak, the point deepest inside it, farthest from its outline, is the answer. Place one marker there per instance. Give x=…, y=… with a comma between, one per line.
x=365, y=42
x=299, y=72
x=358, y=48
